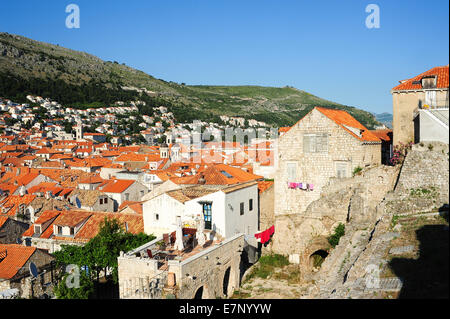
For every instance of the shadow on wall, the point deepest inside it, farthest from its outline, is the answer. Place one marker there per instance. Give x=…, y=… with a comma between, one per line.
x=427, y=276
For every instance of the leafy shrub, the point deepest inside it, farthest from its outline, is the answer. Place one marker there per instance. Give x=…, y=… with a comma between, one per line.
x=357, y=170
x=339, y=231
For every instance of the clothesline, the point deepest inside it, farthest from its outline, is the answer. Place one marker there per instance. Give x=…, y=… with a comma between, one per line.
x=302, y=186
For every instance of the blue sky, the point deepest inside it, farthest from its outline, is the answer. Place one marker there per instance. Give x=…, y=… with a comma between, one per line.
x=322, y=47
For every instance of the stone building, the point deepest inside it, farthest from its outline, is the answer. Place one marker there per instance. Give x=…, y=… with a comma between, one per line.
x=53, y=229
x=11, y=230
x=420, y=107
x=202, y=272
x=15, y=273
x=226, y=210
x=324, y=145
x=91, y=200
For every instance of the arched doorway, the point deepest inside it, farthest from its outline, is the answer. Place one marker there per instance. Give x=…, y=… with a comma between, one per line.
x=226, y=281
x=199, y=293
x=202, y=292
x=317, y=258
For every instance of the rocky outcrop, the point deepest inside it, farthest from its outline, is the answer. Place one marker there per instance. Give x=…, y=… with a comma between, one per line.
x=350, y=201
x=346, y=273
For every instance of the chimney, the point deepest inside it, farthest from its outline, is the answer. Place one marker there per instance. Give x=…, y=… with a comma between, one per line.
x=22, y=191
x=202, y=180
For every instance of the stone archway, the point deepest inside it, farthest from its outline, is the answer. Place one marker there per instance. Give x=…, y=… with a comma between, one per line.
x=226, y=282
x=315, y=253
x=317, y=258
x=201, y=293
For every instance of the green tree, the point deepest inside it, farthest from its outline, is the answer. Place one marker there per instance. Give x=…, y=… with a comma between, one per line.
x=86, y=288
x=99, y=254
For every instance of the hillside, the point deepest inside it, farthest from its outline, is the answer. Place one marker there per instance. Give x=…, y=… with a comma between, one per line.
x=385, y=118
x=79, y=79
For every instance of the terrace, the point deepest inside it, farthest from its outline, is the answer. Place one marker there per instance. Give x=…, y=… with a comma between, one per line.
x=162, y=250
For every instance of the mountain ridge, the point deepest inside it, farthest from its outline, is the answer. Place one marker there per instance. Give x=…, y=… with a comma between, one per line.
x=87, y=79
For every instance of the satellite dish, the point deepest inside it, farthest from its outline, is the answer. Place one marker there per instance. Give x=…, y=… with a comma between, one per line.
x=77, y=201
x=33, y=270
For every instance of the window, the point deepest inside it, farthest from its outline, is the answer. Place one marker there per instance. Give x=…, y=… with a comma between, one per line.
x=105, y=201
x=227, y=174
x=156, y=216
x=142, y=193
x=127, y=196
x=291, y=171
x=59, y=230
x=37, y=229
x=250, y=205
x=72, y=231
x=315, y=143
x=242, y=209
x=101, y=201
x=207, y=215
x=341, y=170
x=429, y=82
x=430, y=98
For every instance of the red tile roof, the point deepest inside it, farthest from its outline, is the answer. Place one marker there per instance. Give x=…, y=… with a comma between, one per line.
x=342, y=118
x=3, y=220
x=219, y=174
x=264, y=185
x=117, y=185
x=442, y=79
x=134, y=223
x=384, y=135
x=16, y=258
x=14, y=201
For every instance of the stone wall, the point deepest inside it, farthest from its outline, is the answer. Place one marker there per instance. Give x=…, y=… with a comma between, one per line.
x=207, y=271
x=36, y=287
x=317, y=168
x=266, y=208
x=12, y=230
x=344, y=271
x=352, y=200
x=140, y=278
x=423, y=183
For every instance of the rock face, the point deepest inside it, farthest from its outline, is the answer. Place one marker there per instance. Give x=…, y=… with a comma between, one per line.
x=349, y=268
x=366, y=205
x=350, y=201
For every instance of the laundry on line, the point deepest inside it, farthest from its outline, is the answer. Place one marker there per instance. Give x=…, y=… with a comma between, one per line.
x=303, y=186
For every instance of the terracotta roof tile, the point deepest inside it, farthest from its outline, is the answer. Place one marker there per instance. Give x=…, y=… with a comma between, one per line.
x=442, y=79
x=16, y=258
x=384, y=135
x=117, y=185
x=343, y=119
x=264, y=185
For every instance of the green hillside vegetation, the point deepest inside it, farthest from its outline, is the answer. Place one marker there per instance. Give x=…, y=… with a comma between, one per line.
x=78, y=79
